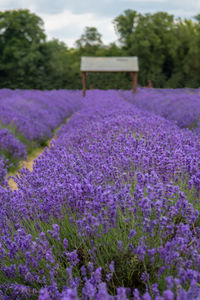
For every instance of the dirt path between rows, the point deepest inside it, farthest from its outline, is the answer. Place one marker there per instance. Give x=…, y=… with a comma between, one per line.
x=28, y=163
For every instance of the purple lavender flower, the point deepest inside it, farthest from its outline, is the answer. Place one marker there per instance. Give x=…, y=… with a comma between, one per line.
x=44, y=294
x=72, y=257
x=113, y=167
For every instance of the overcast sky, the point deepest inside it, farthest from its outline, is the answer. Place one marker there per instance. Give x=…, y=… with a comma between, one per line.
x=66, y=19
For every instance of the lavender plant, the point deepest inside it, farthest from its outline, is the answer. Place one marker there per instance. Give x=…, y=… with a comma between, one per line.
x=3, y=172
x=110, y=211
x=10, y=147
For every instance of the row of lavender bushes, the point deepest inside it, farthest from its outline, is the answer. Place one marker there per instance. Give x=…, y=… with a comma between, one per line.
x=110, y=211
x=28, y=119
x=180, y=105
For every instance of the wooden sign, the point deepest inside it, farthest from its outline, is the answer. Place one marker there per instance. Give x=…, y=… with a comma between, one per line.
x=110, y=64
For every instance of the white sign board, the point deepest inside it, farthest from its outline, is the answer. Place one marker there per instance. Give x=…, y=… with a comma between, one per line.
x=109, y=64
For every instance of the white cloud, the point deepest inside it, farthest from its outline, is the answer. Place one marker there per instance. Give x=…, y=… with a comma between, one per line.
x=17, y=4
x=182, y=12
x=193, y=4
x=70, y=24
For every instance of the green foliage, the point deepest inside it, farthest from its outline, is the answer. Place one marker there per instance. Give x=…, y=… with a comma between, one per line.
x=21, y=34
x=90, y=41
x=167, y=48
x=55, y=65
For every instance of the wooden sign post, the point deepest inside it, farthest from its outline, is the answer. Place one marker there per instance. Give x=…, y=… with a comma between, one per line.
x=84, y=83
x=134, y=76
x=110, y=64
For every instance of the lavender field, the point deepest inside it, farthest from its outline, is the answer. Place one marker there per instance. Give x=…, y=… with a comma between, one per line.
x=111, y=209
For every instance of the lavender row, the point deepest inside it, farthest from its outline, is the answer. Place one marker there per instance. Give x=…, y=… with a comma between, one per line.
x=30, y=118
x=3, y=172
x=179, y=105
x=11, y=151
x=35, y=114
x=110, y=211
x=9, y=145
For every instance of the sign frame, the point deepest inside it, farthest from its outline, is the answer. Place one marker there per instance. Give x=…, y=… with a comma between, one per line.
x=127, y=64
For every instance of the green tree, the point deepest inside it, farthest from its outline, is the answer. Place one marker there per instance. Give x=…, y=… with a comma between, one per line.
x=187, y=60
x=125, y=25
x=150, y=37
x=56, y=65
x=21, y=34
x=90, y=41
x=197, y=18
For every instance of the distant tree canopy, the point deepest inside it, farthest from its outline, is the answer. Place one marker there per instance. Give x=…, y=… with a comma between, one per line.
x=90, y=40
x=168, y=51
x=21, y=34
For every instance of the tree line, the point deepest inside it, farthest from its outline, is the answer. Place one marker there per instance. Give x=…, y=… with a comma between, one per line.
x=167, y=48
